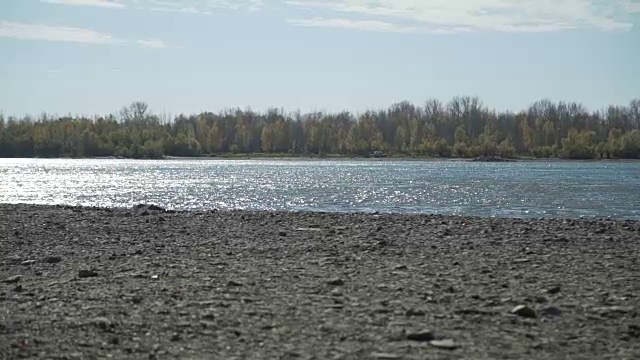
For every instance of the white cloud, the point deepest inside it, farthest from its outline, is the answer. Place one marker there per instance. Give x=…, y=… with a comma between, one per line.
x=251, y=5
x=181, y=6
x=178, y=7
x=632, y=7
x=482, y=15
x=365, y=25
x=27, y=31
x=99, y=3
x=183, y=10
x=152, y=43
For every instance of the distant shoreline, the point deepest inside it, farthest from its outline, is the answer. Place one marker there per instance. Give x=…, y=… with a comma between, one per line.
x=342, y=158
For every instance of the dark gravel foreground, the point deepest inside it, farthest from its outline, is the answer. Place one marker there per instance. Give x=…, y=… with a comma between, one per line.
x=81, y=283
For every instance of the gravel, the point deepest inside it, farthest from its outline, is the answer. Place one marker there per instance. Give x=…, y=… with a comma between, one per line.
x=145, y=283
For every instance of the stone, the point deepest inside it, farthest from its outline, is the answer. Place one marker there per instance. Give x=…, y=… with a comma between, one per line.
x=421, y=336
x=13, y=279
x=551, y=311
x=524, y=311
x=633, y=330
x=554, y=290
x=336, y=282
x=384, y=356
x=87, y=273
x=28, y=262
x=415, y=312
x=102, y=323
x=541, y=299
x=175, y=337
x=52, y=259
x=444, y=344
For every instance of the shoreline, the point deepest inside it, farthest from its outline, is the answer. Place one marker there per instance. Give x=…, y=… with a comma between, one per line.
x=136, y=283
x=345, y=158
x=375, y=214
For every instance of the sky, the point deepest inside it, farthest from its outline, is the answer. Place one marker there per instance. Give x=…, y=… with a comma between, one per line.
x=90, y=57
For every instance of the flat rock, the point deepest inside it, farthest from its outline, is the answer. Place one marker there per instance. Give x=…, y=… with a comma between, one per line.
x=102, y=323
x=336, y=282
x=385, y=356
x=444, y=344
x=524, y=311
x=554, y=290
x=87, y=273
x=415, y=312
x=421, y=336
x=52, y=259
x=551, y=311
x=13, y=279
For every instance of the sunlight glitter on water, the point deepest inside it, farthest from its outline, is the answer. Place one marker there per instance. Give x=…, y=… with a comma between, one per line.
x=522, y=189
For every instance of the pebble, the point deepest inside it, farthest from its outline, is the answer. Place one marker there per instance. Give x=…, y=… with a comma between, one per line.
x=421, y=336
x=87, y=273
x=13, y=279
x=554, y=290
x=443, y=344
x=102, y=322
x=52, y=259
x=541, y=299
x=524, y=311
x=415, y=312
x=551, y=311
x=384, y=356
x=155, y=208
x=336, y=282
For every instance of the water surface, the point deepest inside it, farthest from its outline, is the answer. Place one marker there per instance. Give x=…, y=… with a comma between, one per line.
x=521, y=189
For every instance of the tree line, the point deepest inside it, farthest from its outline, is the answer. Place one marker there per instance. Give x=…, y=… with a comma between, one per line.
x=463, y=127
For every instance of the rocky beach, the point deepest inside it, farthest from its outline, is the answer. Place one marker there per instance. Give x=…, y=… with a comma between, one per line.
x=145, y=283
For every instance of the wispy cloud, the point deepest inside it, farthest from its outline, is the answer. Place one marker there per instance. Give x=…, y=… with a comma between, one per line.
x=176, y=6
x=27, y=31
x=152, y=43
x=181, y=6
x=365, y=25
x=474, y=15
x=100, y=3
x=632, y=6
x=204, y=6
x=250, y=5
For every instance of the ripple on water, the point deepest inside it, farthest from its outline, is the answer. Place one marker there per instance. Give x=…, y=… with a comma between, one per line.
x=523, y=189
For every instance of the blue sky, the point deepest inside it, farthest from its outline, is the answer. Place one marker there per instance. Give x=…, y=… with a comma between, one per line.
x=94, y=56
